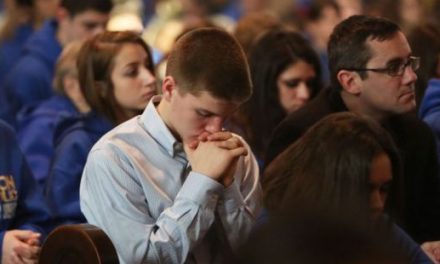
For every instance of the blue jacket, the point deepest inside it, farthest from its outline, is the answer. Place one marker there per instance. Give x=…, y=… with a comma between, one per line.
x=430, y=110
x=74, y=137
x=22, y=205
x=30, y=80
x=10, y=49
x=35, y=127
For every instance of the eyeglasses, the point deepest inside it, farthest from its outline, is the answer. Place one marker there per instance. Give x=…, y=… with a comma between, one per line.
x=396, y=69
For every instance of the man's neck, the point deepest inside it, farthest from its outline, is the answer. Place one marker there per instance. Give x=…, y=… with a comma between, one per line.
x=353, y=104
x=164, y=111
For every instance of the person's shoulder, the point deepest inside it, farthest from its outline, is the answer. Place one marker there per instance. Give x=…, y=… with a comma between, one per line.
x=68, y=127
x=296, y=123
x=24, y=72
x=125, y=134
x=411, y=123
x=6, y=132
x=312, y=112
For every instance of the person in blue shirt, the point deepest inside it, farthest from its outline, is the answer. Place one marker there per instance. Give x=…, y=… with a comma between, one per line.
x=116, y=76
x=346, y=165
x=24, y=216
x=36, y=125
x=29, y=81
x=171, y=185
x=22, y=19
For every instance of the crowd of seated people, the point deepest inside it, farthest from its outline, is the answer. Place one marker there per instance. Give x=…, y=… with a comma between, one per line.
x=260, y=121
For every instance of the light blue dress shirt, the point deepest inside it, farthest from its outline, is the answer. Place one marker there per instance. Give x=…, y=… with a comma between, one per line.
x=137, y=187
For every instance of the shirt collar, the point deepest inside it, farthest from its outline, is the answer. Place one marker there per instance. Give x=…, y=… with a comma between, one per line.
x=155, y=126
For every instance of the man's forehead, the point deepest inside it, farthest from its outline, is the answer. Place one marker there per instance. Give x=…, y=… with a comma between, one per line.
x=394, y=48
x=206, y=101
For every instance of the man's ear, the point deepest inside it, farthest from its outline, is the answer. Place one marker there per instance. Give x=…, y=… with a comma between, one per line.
x=168, y=87
x=350, y=81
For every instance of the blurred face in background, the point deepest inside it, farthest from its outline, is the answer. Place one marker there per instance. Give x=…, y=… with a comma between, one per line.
x=82, y=26
x=46, y=8
x=380, y=180
x=294, y=85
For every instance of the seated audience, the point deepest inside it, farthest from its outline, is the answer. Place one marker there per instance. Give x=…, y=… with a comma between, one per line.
x=346, y=164
x=116, y=77
x=29, y=82
x=373, y=73
x=36, y=125
x=24, y=218
x=171, y=186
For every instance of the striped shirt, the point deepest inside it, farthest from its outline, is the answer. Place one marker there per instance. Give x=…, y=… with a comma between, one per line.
x=137, y=186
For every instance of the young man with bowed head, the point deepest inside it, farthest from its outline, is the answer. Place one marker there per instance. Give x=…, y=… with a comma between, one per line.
x=171, y=186
x=373, y=73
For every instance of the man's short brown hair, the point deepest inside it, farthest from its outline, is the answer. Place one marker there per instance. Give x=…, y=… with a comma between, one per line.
x=210, y=59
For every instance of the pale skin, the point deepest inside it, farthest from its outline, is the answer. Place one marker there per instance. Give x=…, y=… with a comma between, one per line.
x=20, y=247
x=432, y=249
x=215, y=155
x=197, y=120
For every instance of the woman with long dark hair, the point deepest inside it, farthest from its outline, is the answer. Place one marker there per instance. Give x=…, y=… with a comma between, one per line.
x=286, y=74
x=347, y=166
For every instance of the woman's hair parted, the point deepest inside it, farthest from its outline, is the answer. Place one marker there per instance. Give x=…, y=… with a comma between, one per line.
x=95, y=65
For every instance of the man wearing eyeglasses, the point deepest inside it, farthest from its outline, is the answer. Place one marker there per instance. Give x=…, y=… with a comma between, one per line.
x=372, y=72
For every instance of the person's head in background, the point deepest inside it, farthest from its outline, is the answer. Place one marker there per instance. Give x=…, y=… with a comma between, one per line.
x=286, y=75
x=425, y=43
x=372, y=66
x=207, y=78
x=32, y=12
x=116, y=75
x=81, y=19
x=315, y=237
x=345, y=164
x=406, y=13
x=350, y=8
x=66, y=81
x=320, y=19
x=250, y=26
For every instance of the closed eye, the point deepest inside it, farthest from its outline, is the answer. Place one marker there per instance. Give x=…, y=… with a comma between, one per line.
x=292, y=83
x=203, y=113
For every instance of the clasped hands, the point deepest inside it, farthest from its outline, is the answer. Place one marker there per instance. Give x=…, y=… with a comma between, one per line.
x=215, y=155
x=20, y=246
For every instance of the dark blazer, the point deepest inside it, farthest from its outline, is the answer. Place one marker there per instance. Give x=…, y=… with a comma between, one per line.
x=417, y=148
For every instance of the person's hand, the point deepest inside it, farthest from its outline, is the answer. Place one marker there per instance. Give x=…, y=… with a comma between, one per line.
x=228, y=176
x=20, y=246
x=215, y=155
x=432, y=249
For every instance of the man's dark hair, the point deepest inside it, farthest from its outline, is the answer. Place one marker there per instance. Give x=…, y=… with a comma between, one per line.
x=348, y=47
x=75, y=7
x=210, y=59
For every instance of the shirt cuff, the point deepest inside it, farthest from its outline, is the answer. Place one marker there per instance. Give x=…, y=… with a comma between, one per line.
x=201, y=189
x=232, y=198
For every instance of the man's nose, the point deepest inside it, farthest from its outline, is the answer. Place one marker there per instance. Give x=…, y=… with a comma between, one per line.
x=410, y=76
x=214, y=125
